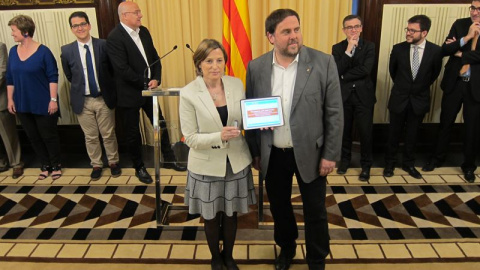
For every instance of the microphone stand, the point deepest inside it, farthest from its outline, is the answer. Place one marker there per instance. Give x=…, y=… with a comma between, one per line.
x=145, y=77
x=190, y=48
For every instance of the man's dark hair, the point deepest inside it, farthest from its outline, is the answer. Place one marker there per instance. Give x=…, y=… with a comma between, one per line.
x=278, y=16
x=351, y=17
x=79, y=14
x=423, y=20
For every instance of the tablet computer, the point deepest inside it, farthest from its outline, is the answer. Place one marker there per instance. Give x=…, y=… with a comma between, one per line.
x=262, y=112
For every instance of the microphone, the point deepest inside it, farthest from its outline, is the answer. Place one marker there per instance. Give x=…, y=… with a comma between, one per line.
x=145, y=78
x=190, y=48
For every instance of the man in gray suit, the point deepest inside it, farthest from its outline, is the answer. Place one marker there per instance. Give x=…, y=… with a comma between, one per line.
x=309, y=143
x=10, y=151
x=92, y=93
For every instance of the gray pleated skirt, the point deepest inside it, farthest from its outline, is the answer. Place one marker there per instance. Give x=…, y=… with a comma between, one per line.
x=208, y=195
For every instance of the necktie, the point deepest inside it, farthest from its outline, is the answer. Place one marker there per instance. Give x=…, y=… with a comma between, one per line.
x=92, y=84
x=415, y=62
x=466, y=67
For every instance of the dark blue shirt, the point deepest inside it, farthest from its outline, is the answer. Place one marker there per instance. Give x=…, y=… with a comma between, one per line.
x=31, y=79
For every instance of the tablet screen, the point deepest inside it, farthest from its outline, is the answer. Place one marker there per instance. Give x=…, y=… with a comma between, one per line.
x=262, y=112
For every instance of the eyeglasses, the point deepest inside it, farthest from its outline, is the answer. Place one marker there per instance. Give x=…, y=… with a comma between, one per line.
x=136, y=12
x=350, y=28
x=413, y=31
x=473, y=9
x=76, y=26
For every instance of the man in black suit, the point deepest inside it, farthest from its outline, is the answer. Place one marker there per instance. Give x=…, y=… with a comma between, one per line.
x=355, y=58
x=93, y=99
x=414, y=65
x=458, y=88
x=131, y=50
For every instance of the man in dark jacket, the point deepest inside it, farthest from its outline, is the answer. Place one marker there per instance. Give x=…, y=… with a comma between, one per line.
x=458, y=88
x=355, y=58
x=414, y=65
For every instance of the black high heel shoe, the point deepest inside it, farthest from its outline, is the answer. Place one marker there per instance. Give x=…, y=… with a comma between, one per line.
x=43, y=175
x=217, y=263
x=229, y=262
x=56, y=171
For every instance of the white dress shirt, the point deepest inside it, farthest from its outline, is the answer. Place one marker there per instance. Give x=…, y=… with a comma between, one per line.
x=83, y=55
x=135, y=35
x=421, y=49
x=283, y=84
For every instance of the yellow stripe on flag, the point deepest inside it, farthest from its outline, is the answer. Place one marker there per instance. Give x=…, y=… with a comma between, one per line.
x=236, y=37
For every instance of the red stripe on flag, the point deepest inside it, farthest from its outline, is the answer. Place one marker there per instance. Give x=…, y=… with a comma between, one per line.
x=240, y=35
x=226, y=45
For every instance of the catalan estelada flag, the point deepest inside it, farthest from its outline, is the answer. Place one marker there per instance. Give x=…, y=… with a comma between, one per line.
x=236, y=37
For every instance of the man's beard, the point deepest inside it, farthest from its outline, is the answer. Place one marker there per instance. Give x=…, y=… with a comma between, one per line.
x=415, y=40
x=287, y=53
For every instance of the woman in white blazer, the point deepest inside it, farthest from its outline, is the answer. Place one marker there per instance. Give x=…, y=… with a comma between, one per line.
x=220, y=182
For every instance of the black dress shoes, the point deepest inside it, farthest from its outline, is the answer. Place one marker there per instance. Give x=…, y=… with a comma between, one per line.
x=430, y=166
x=412, y=172
x=316, y=266
x=96, y=173
x=388, y=171
x=364, y=175
x=143, y=175
x=284, y=259
x=174, y=165
x=470, y=176
x=342, y=168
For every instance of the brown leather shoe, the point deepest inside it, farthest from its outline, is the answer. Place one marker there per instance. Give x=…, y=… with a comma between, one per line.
x=17, y=172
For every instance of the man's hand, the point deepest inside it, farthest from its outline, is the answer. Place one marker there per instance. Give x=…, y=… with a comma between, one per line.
x=326, y=167
x=352, y=43
x=473, y=31
x=153, y=84
x=450, y=40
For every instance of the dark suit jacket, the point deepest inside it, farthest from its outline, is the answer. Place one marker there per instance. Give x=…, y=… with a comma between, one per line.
x=452, y=68
x=405, y=89
x=129, y=65
x=316, y=116
x=3, y=71
x=356, y=70
x=73, y=69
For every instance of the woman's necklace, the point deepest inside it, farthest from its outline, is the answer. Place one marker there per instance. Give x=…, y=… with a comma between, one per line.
x=214, y=96
x=218, y=95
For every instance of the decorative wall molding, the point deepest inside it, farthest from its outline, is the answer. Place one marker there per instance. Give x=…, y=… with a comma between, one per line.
x=42, y=2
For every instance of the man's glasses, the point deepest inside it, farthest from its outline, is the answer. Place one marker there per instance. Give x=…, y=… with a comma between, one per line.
x=136, y=12
x=350, y=28
x=473, y=9
x=76, y=26
x=413, y=31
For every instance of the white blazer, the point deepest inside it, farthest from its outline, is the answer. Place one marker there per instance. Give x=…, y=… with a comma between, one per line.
x=201, y=125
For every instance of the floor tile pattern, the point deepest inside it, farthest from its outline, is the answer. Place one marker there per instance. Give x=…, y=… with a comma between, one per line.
x=370, y=212
x=387, y=220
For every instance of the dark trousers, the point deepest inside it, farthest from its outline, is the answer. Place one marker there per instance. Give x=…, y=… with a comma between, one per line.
x=132, y=129
x=355, y=111
x=451, y=105
x=42, y=132
x=278, y=184
x=410, y=122
x=471, y=117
